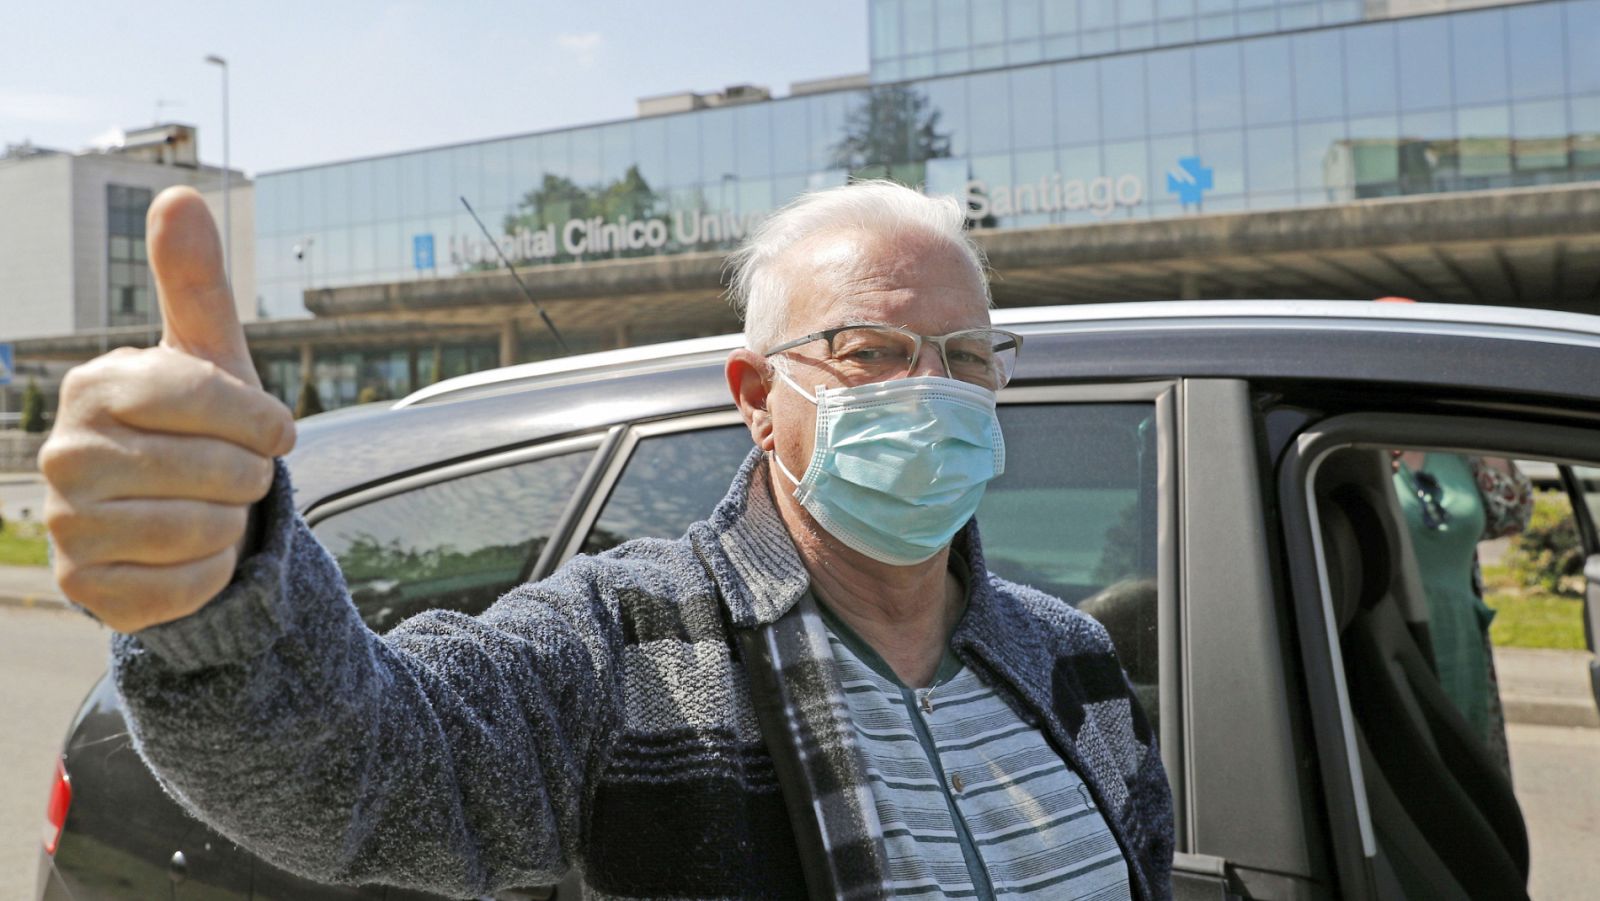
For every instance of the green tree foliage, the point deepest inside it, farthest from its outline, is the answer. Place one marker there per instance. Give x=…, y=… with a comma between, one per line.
x=558, y=199
x=309, y=402
x=890, y=135
x=1549, y=553
x=32, y=408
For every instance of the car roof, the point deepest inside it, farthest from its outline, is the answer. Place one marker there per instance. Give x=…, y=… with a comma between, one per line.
x=1513, y=354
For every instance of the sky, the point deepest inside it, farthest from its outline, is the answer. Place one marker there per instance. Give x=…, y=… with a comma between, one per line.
x=315, y=82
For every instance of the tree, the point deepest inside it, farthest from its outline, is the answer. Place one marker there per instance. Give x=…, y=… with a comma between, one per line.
x=32, y=408
x=310, y=403
x=891, y=134
x=559, y=199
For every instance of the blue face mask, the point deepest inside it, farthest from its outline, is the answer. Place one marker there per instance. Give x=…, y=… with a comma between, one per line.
x=899, y=466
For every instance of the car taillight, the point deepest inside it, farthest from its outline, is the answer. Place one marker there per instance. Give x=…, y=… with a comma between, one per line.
x=55, y=814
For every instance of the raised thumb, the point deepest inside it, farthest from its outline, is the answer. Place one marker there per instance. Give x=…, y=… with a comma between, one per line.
x=197, y=312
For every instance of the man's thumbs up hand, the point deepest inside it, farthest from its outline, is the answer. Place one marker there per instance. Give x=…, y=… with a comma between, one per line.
x=157, y=455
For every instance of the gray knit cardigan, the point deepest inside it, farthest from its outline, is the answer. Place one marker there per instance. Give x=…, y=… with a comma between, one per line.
x=666, y=717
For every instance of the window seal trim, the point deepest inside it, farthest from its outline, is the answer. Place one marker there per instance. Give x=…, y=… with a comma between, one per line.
x=315, y=514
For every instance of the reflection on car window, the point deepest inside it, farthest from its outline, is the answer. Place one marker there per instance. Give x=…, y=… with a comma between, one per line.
x=458, y=544
x=670, y=481
x=1074, y=515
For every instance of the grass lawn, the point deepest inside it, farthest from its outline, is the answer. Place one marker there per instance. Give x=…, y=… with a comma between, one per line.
x=22, y=544
x=1527, y=617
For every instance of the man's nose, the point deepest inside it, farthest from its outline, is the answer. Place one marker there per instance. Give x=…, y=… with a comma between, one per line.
x=929, y=362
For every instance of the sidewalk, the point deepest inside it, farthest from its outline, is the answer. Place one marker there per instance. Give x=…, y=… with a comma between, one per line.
x=29, y=586
x=1545, y=687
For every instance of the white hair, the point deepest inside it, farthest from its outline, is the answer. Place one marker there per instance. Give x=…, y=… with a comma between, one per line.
x=757, y=287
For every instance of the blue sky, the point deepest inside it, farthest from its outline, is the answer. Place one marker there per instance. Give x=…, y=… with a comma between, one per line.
x=313, y=82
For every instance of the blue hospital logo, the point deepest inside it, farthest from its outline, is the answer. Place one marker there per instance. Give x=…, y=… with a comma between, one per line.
x=1189, y=181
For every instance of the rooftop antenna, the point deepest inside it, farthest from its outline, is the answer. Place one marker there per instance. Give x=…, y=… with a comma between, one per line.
x=525, y=290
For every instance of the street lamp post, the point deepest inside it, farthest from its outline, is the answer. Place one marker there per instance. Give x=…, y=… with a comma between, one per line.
x=227, y=195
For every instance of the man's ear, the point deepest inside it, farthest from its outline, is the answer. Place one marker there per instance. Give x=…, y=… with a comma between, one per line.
x=747, y=373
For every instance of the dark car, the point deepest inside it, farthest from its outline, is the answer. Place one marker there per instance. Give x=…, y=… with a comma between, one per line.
x=1208, y=478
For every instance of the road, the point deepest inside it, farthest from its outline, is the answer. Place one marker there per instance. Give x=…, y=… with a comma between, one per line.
x=49, y=659
x=19, y=492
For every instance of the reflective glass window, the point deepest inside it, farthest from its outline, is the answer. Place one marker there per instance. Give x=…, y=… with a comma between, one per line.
x=947, y=99
x=717, y=145
x=1170, y=91
x=1077, y=102
x=1097, y=14
x=952, y=61
x=1021, y=53
x=950, y=27
x=1321, y=148
x=1427, y=151
x=1164, y=156
x=989, y=112
x=1536, y=55
x=1080, y=162
x=754, y=126
x=1219, y=86
x=1583, y=36
x=1318, y=76
x=1223, y=152
x=683, y=150
x=885, y=28
x=1257, y=21
x=1059, y=16
x=616, y=151
x=584, y=159
x=455, y=545
x=1484, y=135
x=650, y=150
x=291, y=218
x=827, y=125
x=1032, y=106
x=1539, y=135
x=1424, y=63
x=1584, y=113
x=1268, y=81
x=1122, y=97
x=1270, y=152
x=363, y=250
x=1093, y=43
x=335, y=195
x=1035, y=194
x=466, y=176
x=789, y=138
x=1205, y=7
x=1135, y=12
x=1136, y=37
x=1174, y=31
x=526, y=169
x=946, y=178
x=555, y=152
x=988, y=21
x=1174, y=9
x=267, y=216
x=992, y=175
x=1374, y=155
x=1369, y=70
x=1211, y=28
x=392, y=248
x=1478, y=43
x=1022, y=19
x=1128, y=158
x=916, y=27
x=670, y=481
x=386, y=188
x=1297, y=15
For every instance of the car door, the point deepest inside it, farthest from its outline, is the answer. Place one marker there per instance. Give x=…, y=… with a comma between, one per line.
x=1582, y=484
x=1413, y=802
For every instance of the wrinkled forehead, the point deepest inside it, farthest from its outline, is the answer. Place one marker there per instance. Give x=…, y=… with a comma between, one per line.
x=918, y=281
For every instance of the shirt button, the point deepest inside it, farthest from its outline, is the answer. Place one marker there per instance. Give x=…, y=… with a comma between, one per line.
x=955, y=782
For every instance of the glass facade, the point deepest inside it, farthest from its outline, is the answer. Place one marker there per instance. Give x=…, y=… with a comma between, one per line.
x=1485, y=98
x=129, y=295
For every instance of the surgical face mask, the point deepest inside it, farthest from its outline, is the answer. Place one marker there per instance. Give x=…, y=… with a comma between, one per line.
x=899, y=466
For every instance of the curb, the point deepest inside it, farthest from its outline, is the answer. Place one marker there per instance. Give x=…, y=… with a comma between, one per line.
x=1534, y=711
x=33, y=601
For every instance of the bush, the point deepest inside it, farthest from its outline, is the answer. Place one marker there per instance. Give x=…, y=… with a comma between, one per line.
x=309, y=403
x=1548, y=555
x=33, y=408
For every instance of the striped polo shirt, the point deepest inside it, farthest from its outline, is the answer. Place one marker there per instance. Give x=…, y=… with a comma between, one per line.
x=974, y=803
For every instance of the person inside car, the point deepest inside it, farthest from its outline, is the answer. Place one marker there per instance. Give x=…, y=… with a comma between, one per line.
x=818, y=691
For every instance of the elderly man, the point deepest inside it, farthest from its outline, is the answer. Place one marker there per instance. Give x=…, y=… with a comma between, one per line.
x=818, y=691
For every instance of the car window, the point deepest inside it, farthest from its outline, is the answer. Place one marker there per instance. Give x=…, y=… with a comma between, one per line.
x=1074, y=515
x=670, y=481
x=458, y=544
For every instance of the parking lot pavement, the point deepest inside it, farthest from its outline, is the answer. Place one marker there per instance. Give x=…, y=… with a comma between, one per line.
x=49, y=658
x=1556, y=772
x=1546, y=687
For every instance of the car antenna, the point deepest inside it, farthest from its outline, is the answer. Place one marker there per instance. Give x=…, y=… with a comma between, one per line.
x=520, y=283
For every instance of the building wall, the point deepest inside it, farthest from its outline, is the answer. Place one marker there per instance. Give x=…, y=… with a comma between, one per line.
x=36, y=247
x=245, y=297
x=1498, y=97
x=92, y=173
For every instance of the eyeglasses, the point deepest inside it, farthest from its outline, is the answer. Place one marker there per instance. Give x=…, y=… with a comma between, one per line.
x=862, y=354
x=1431, y=495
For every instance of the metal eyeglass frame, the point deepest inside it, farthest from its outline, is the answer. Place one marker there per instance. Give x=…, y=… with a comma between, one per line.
x=939, y=341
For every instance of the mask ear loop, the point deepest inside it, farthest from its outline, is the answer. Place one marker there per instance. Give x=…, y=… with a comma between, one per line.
x=779, y=368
